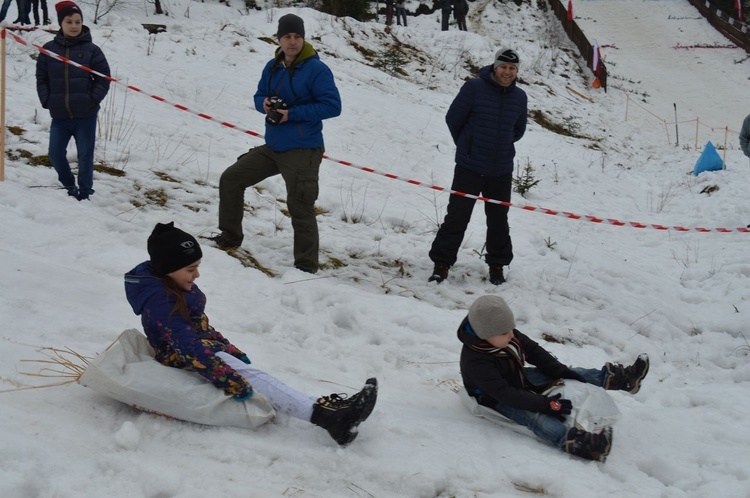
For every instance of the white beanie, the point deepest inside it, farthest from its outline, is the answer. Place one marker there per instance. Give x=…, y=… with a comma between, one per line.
x=490, y=316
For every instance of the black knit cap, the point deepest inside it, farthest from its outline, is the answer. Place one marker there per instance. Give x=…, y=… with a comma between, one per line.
x=291, y=24
x=66, y=8
x=171, y=249
x=506, y=55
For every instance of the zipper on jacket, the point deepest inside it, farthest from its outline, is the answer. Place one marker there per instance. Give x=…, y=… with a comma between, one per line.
x=67, y=84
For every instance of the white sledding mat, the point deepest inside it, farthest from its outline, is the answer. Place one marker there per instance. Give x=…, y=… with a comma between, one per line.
x=128, y=372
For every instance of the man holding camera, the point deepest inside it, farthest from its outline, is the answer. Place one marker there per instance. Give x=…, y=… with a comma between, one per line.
x=296, y=92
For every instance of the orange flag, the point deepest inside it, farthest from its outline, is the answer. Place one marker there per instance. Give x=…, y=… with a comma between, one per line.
x=595, y=65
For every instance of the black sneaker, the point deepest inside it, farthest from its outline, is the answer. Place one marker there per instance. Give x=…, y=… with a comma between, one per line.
x=628, y=379
x=496, y=275
x=439, y=274
x=341, y=415
x=222, y=242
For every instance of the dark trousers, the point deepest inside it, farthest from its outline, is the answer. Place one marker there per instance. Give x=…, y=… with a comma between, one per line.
x=451, y=233
x=4, y=9
x=461, y=21
x=446, y=18
x=45, y=13
x=299, y=169
x=400, y=14
x=24, y=9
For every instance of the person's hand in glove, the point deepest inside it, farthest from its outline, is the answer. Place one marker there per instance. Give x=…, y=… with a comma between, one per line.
x=244, y=397
x=558, y=407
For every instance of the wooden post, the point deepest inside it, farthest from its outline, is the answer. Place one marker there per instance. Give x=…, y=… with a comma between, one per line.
x=697, y=124
x=627, y=105
x=2, y=106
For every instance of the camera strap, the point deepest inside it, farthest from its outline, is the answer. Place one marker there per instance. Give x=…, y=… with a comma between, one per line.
x=279, y=64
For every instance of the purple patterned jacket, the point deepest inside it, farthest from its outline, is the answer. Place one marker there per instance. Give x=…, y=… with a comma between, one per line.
x=179, y=343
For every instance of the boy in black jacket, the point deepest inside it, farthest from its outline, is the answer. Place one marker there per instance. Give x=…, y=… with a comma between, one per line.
x=493, y=369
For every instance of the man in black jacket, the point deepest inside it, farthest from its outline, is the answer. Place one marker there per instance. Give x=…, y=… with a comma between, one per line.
x=485, y=119
x=494, y=371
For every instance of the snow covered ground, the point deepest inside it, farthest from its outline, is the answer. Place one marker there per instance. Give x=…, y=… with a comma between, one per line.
x=589, y=292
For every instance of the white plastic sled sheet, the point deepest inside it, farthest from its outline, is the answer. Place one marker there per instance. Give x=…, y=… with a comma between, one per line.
x=593, y=408
x=128, y=372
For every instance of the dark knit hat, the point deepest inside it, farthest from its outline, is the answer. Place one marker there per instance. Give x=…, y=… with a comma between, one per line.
x=506, y=56
x=490, y=316
x=65, y=9
x=291, y=24
x=171, y=249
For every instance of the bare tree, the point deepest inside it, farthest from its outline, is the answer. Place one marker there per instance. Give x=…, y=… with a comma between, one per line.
x=102, y=7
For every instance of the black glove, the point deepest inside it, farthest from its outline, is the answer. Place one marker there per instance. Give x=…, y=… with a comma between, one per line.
x=570, y=374
x=558, y=407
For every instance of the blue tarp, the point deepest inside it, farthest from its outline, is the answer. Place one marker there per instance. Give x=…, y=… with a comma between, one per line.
x=709, y=160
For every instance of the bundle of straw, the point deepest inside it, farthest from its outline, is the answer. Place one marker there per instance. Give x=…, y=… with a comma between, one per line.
x=64, y=364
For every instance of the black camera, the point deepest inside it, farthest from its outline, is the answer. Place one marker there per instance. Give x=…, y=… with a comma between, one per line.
x=273, y=116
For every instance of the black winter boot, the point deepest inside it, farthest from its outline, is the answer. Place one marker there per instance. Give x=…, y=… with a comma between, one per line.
x=439, y=274
x=341, y=415
x=496, y=275
x=589, y=445
x=222, y=242
x=628, y=379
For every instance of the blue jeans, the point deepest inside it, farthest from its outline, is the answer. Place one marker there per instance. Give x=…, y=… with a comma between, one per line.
x=83, y=130
x=546, y=427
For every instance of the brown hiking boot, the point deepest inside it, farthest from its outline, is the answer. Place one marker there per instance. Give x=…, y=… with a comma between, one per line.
x=620, y=378
x=589, y=445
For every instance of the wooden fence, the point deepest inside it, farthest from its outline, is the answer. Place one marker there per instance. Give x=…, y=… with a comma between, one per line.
x=730, y=27
x=575, y=34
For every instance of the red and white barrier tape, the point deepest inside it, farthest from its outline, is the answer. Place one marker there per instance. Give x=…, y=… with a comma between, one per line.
x=539, y=209
x=565, y=214
x=129, y=87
